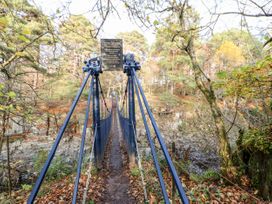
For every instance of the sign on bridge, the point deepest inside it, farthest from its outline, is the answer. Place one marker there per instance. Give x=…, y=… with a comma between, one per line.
x=112, y=54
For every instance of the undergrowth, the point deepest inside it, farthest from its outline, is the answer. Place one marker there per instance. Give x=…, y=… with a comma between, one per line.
x=58, y=168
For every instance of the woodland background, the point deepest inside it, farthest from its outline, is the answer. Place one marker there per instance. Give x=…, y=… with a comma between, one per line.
x=210, y=92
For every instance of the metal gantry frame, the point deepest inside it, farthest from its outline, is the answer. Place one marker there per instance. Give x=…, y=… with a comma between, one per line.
x=81, y=151
x=93, y=68
x=130, y=67
x=52, y=152
x=131, y=116
x=96, y=122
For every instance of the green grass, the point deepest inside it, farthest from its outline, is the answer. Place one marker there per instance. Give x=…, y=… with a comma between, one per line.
x=26, y=187
x=58, y=168
x=209, y=175
x=169, y=99
x=135, y=171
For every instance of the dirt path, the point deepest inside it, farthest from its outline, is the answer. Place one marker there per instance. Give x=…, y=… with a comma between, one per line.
x=117, y=183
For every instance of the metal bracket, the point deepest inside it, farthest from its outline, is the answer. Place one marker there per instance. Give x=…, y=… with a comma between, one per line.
x=93, y=65
x=130, y=63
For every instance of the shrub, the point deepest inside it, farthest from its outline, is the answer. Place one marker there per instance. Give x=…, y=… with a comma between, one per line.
x=26, y=187
x=135, y=171
x=58, y=168
x=258, y=139
x=209, y=175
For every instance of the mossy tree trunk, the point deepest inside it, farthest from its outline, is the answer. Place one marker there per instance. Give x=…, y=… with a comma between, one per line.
x=260, y=171
x=205, y=86
x=8, y=167
x=2, y=137
x=254, y=157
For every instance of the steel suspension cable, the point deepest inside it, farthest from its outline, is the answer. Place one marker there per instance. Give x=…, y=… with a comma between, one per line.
x=89, y=169
x=140, y=165
x=153, y=150
x=162, y=144
x=103, y=97
x=81, y=153
x=124, y=97
x=52, y=152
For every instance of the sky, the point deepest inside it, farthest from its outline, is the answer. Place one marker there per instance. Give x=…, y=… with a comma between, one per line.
x=111, y=27
x=115, y=24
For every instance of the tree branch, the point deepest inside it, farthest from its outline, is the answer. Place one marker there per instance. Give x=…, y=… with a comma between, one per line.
x=244, y=14
x=16, y=56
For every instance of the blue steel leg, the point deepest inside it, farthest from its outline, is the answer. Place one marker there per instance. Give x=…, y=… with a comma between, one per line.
x=153, y=150
x=52, y=152
x=133, y=103
x=93, y=105
x=80, y=158
x=171, y=166
x=98, y=141
x=133, y=114
x=132, y=147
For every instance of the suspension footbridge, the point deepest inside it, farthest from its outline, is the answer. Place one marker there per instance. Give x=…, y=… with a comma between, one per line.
x=110, y=129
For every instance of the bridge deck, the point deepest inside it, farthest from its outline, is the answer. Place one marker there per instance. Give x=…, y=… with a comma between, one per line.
x=117, y=182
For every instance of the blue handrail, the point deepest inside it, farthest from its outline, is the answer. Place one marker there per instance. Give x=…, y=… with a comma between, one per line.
x=52, y=152
x=81, y=153
x=171, y=166
x=125, y=128
x=105, y=125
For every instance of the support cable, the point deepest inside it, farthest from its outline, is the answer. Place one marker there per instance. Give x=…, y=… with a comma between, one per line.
x=103, y=97
x=171, y=166
x=124, y=97
x=153, y=150
x=91, y=159
x=52, y=152
x=81, y=153
x=140, y=166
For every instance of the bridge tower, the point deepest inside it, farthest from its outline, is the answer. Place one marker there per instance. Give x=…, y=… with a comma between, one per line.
x=129, y=65
x=94, y=65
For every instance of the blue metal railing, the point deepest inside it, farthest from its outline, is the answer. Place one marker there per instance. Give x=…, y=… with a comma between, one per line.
x=170, y=164
x=125, y=124
x=128, y=120
x=124, y=121
x=125, y=127
x=52, y=152
x=104, y=126
x=153, y=150
x=81, y=153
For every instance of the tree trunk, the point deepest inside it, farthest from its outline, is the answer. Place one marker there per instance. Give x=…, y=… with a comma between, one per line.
x=48, y=125
x=3, y=131
x=205, y=86
x=56, y=122
x=8, y=167
x=224, y=146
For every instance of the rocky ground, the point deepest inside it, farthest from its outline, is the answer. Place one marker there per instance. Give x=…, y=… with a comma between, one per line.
x=24, y=153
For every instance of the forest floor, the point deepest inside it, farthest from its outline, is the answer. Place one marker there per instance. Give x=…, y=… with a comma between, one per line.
x=111, y=184
x=117, y=183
